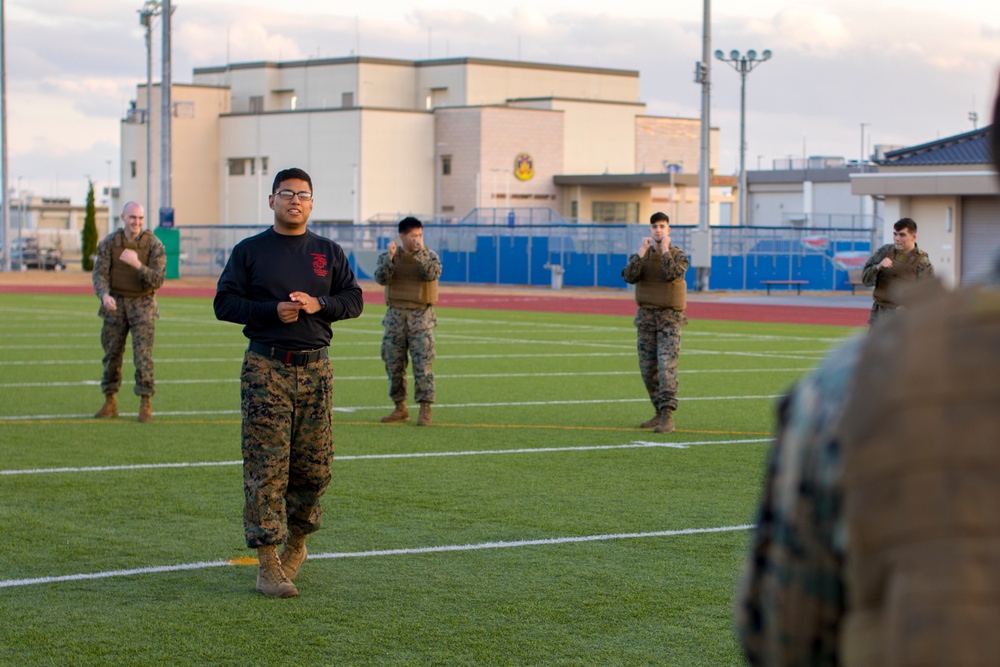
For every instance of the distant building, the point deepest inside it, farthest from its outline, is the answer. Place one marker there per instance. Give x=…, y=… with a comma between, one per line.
x=53, y=221
x=950, y=189
x=810, y=192
x=450, y=140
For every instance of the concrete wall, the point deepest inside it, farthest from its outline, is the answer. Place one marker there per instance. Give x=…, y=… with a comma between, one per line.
x=931, y=215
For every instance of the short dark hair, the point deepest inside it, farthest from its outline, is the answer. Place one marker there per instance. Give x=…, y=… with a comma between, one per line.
x=905, y=223
x=659, y=216
x=286, y=174
x=408, y=224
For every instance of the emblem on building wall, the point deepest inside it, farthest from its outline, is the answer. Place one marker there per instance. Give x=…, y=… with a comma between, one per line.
x=524, y=167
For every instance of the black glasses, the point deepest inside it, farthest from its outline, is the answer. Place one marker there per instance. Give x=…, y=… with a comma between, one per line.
x=288, y=194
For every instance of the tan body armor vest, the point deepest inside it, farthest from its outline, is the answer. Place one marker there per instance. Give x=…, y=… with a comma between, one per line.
x=903, y=270
x=656, y=292
x=405, y=289
x=921, y=446
x=124, y=279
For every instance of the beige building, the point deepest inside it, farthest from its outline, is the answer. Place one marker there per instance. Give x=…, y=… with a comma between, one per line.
x=450, y=140
x=950, y=190
x=54, y=222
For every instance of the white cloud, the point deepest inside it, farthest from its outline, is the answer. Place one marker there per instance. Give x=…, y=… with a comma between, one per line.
x=909, y=68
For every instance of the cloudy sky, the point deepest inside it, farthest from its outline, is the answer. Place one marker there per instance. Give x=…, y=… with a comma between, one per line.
x=910, y=70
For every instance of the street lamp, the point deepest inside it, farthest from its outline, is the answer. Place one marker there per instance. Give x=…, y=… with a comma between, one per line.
x=744, y=64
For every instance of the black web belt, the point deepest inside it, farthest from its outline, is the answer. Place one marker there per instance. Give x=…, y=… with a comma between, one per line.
x=293, y=357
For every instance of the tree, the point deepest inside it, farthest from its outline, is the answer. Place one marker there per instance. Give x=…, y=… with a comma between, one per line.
x=89, y=233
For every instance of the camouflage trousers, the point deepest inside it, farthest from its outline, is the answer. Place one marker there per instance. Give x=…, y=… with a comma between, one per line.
x=287, y=442
x=880, y=311
x=659, y=344
x=138, y=316
x=409, y=331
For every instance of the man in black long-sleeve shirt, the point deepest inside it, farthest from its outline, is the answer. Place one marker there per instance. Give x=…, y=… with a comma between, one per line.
x=286, y=286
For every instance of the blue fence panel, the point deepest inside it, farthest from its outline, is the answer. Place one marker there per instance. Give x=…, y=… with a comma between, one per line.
x=589, y=255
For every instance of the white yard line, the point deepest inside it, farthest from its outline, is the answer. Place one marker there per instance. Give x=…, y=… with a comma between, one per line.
x=12, y=583
x=637, y=444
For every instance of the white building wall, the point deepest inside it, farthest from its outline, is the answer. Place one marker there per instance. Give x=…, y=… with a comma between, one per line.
x=497, y=83
x=933, y=236
x=326, y=147
x=397, y=158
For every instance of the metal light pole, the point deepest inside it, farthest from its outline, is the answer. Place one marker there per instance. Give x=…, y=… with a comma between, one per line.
x=744, y=65
x=150, y=9
x=701, y=239
x=3, y=140
x=166, y=118
x=861, y=169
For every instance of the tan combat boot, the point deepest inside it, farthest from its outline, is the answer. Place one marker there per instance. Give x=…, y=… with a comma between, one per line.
x=293, y=555
x=400, y=414
x=271, y=579
x=651, y=422
x=110, y=407
x=145, y=410
x=424, y=418
x=666, y=423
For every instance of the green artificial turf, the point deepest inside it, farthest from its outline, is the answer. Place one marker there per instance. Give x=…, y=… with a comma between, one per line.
x=532, y=524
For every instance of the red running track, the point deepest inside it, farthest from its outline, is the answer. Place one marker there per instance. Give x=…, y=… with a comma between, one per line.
x=604, y=305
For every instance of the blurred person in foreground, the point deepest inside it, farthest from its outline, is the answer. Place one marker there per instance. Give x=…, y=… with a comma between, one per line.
x=657, y=271
x=878, y=534
x=892, y=266
x=286, y=285
x=409, y=272
x=131, y=265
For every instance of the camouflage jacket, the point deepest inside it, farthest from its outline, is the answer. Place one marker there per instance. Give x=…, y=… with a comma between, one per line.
x=151, y=275
x=872, y=276
x=791, y=595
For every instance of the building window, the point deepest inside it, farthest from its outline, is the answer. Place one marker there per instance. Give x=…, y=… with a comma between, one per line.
x=347, y=100
x=614, y=211
x=237, y=166
x=131, y=168
x=263, y=166
x=256, y=104
x=446, y=165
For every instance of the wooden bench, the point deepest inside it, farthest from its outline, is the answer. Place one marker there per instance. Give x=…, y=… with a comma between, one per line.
x=788, y=283
x=854, y=280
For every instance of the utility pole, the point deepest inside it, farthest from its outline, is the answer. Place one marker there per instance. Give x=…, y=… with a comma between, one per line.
x=166, y=117
x=150, y=9
x=3, y=140
x=701, y=239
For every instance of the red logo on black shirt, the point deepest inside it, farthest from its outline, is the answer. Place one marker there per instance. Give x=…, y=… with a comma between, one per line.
x=319, y=264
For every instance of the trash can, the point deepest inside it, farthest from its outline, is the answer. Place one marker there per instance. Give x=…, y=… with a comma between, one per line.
x=171, y=240
x=557, y=275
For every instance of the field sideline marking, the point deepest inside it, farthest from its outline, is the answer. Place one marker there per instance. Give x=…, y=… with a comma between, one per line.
x=8, y=419
x=446, y=376
x=10, y=583
x=638, y=444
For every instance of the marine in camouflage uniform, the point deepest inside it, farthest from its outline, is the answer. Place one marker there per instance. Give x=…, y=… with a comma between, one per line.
x=791, y=596
x=894, y=265
x=129, y=268
x=657, y=271
x=287, y=285
x=409, y=272
x=863, y=555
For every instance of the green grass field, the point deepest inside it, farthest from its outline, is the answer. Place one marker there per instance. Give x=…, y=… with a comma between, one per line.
x=533, y=524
